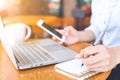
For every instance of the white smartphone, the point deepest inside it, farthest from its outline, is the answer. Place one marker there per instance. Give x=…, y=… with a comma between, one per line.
x=50, y=30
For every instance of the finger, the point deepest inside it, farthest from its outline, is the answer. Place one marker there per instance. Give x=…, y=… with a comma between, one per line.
x=54, y=38
x=64, y=32
x=68, y=29
x=100, y=64
x=91, y=50
x=93, y=59
x=60, y=31
x=80, y=55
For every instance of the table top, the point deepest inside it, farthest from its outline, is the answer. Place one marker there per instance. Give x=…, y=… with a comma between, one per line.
x=8, y=72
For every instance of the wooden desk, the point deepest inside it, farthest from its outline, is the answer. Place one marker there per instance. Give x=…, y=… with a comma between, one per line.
x=8, y=72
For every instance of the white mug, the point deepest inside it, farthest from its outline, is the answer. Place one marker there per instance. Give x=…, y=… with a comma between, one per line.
x=17, y=33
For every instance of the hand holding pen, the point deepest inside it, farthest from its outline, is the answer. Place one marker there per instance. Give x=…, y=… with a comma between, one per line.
x=96, y=57
x=85, y=53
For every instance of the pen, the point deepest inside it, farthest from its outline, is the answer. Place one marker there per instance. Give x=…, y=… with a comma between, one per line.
x=98, y=40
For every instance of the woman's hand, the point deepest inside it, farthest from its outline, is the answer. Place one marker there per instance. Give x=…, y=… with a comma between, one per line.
x=71, y=35
x=98, y=58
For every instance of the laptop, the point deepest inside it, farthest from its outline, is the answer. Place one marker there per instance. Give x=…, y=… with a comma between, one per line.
x=36, y=53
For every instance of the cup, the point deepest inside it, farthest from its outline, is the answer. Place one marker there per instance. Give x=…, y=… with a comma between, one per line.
x=17, y=33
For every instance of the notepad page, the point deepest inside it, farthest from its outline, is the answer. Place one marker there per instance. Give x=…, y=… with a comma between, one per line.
x=73, y=67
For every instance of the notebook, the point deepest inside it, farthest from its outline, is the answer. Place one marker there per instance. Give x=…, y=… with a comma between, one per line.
x=33, y=54
x=74, y=69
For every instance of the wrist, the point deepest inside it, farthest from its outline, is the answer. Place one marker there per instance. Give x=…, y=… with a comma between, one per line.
x=115, y=56
x=79, y=36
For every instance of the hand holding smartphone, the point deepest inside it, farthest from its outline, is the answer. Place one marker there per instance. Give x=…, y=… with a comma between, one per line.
x=50, y=30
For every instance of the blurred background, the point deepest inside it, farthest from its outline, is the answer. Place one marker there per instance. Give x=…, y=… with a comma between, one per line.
x=57, y=13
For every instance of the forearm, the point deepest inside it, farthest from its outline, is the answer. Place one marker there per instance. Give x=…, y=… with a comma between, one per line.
x=87, y=36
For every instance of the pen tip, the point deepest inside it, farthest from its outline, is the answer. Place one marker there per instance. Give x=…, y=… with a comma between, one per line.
x=82, y=64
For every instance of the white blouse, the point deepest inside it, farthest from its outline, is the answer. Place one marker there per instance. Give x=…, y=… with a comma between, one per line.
x=106, y=14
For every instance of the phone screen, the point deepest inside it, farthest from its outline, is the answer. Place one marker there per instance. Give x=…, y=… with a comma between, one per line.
x=52, y=30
